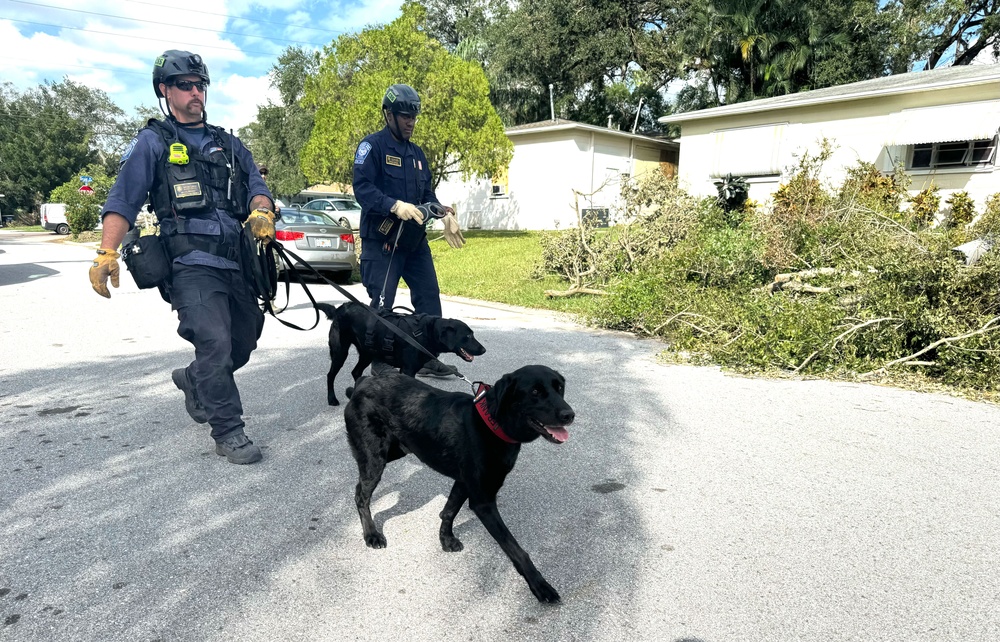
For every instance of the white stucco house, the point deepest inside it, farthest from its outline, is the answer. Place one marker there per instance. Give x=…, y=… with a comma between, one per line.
x=552, y=159
x=941, y=125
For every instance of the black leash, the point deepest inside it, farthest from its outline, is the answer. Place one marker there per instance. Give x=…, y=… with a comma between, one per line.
x=265, y=264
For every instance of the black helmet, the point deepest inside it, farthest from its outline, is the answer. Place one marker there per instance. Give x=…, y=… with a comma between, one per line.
x=177, y=63
x=401, y=99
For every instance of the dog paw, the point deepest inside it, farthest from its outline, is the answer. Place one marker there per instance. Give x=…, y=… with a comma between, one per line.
x=545, y=593
x=375, y=540
x=333, y=402
x=451, y=544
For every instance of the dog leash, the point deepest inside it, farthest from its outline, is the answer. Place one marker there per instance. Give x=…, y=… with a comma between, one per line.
x=284, y=253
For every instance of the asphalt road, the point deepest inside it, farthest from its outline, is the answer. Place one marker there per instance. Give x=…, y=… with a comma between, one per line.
x=687, y=505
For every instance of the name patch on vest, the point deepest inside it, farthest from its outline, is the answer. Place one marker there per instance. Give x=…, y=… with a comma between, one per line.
x=182, y=190
x=394, y=160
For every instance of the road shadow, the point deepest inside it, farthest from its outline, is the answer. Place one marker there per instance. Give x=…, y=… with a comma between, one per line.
x=120, y=522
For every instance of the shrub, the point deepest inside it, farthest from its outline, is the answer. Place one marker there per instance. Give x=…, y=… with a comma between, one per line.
x=866, y=186
x=924, y=207
x=963, y=209
x=83, y=209
x=988, y=225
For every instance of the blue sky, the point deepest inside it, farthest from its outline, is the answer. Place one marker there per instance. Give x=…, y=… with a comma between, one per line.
x=111, y=44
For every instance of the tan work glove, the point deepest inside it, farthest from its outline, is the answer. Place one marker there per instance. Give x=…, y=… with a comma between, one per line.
x=407, y=212
x=261, y=224
x=452, y=231
x=105, y=265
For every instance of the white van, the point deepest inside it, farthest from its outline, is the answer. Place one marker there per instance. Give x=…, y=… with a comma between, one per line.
x=53, y=217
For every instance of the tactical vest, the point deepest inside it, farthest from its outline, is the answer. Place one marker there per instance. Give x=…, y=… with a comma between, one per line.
x=195, y=187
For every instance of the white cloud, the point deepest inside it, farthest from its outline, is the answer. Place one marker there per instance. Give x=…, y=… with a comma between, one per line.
x=115, y=51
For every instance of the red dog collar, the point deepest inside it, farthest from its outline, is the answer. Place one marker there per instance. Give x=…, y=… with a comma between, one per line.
x=480, y=401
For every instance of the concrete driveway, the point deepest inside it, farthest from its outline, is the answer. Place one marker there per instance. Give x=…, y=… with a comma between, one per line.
x=687, y=504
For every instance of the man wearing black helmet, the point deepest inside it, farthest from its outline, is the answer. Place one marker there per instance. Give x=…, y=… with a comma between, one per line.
x=392, y=177
x=205, y=188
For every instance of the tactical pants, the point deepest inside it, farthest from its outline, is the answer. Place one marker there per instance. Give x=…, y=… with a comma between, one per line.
x=416, y=268
x=219, y=315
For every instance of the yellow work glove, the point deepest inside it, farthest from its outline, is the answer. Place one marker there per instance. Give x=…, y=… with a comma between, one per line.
x=105, y=265
x=261, y=224
x=452, y=231
x=407, y=212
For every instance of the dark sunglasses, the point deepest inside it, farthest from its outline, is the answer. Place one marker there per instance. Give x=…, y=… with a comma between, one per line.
x=187, y=85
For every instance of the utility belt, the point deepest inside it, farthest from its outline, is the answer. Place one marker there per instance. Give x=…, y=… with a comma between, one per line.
x=149, y=258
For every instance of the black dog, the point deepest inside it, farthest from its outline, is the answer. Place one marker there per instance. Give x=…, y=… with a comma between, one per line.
x=473, y=441
x=353, y=324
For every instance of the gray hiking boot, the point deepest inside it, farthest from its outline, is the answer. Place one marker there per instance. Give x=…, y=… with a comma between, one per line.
x=381, y=368
x=238, y=449
x=191, y=403
x=435, y=368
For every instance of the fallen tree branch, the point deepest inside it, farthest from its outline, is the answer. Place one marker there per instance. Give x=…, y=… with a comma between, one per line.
x=832, y=344
x=988, y=326
x=572, y=292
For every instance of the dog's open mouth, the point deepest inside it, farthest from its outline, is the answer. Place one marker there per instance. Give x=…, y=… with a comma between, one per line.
x=465, y=355
x=555, y=434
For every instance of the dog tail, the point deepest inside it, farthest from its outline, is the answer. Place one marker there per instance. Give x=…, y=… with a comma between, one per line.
x=350, y=389
x=330, y=310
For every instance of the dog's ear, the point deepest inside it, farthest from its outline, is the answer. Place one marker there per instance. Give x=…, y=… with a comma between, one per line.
x=503, y=393
x=449, y=337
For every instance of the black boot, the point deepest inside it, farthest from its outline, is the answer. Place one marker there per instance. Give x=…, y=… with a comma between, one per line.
x=435, y=368
x=238, y=449
x=191, y=403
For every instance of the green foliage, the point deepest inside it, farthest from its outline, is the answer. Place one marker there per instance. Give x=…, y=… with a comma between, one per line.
x=867, y=186
x=962, y=209
x=278, y=134
x=988, y=225
x=83, y=209
x=733, y=194
x=458, y=128
x=924, y=206
x=861, y=289
x=41, y=146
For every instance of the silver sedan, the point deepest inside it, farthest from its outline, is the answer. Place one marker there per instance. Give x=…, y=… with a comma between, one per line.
x=318, y=240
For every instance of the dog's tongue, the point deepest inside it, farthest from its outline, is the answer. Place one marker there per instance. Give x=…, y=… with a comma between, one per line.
x=558, y=433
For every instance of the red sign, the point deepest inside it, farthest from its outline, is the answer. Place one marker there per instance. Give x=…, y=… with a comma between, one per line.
x=86, y=189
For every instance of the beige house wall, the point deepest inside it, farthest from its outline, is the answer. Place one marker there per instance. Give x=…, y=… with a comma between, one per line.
x=547, y=168
x=857, y=128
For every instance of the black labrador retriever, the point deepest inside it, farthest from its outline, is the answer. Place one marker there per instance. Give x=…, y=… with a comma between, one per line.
x=475, y=441
x=353, y=324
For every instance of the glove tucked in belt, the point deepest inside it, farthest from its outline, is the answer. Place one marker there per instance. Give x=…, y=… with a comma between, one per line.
x=105, y=265
x=261, y=224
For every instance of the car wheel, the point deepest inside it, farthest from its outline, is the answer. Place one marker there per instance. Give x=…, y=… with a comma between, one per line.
x=62, y=228
x=344, y=222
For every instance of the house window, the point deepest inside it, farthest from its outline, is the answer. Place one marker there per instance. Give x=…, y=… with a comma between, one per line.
x=498, y=184
x=967, y=153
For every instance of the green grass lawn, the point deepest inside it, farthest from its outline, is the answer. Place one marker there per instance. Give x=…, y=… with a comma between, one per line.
x=497, y=266
x=25, y=228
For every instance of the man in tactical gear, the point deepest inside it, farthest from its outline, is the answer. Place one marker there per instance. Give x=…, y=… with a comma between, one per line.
x=392, y=177
x=205, y=188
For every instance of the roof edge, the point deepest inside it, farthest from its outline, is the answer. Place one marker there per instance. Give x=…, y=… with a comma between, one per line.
x=749, y=107
x=560, y=125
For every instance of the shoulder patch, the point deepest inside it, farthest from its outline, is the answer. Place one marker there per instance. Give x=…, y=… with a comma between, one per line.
x=128, y=151
x=362, y=154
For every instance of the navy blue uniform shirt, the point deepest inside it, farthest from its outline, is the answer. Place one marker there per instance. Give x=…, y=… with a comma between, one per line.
x=139, y=166
x=387, y=170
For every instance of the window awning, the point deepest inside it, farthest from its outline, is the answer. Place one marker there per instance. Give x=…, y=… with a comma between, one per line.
x=945, y=123
x=748, y=151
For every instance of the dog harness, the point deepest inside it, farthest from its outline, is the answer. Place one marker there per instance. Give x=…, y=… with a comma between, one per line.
x=382, y=341
x=491, y=423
